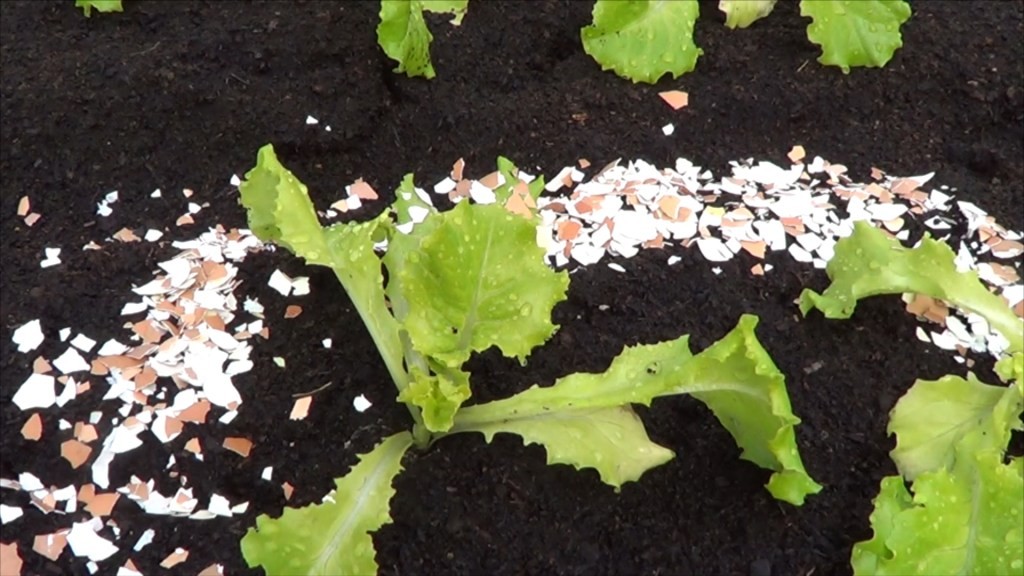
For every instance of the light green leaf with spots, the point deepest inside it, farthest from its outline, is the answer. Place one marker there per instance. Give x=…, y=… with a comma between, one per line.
x=404, y=36
x=964, y=520
x=869, y=263
x=643, y=39
x=439, y=396
x=935, y=415
x=409, y=207
x=858, y=33
x=611, y=440
x=479, y=280
x=280, y=211
x=743, y=13
x=333, y=537
x=735, y=377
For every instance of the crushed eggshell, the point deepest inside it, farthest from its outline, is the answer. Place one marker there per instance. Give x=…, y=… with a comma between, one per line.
x=300, y=409
x=675, y=98
x=174, y=558
x=238, y=445
x=33, y=428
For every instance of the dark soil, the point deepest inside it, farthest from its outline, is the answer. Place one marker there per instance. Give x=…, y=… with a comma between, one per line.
x=182, y=94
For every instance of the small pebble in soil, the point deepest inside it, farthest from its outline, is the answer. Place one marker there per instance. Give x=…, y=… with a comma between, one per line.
x=760, y=567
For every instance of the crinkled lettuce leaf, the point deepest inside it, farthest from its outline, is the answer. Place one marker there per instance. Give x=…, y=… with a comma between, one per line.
x=869, y=263
x=333, y=537
x=439, y=396
x=931, y=419
x=735, y=377
x=280, y=211
x=643, y=39
x=743, y=13
x=99, y=5
x=404, y=36
x=861, y=33
x=479, y=280
x=612, y=440
x=964, y=520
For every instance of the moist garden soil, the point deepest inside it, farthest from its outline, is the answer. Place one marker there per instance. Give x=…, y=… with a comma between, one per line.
x=177, y=95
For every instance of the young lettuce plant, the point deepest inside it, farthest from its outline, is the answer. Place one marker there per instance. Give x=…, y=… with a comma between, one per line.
x=464, y=281
x=966, y=514
x=643, y=40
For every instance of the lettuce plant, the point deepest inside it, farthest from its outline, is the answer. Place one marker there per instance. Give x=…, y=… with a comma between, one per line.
x=464, y=281
x=645, y=39
x=966, y=513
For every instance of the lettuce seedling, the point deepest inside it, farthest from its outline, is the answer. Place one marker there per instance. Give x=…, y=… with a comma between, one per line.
x=966, y=512
x=464, y=281
x=99, y=5
x=645, y=39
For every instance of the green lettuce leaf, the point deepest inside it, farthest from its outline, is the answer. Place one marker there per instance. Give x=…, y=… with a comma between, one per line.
x=334, y=537
x=933, y=417
x=438, y=396
x=407, y=202
x=869, y=263
x=743, y=13
x=643, y=39
x=457, y=8
x=739, y=382
x=861, y=33
x=735, y=377
x=280, y=211
x=511, y=174
x=967, y=520
x=99, y=5
x=611, y=440
x=479, y=280
x=404, y=37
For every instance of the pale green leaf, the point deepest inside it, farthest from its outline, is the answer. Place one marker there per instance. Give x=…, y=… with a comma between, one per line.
x=479, y=280
x=735, y=377
x=860, y=33
x=513, y=180
x=739, y=382
x=404, y=37
x=438, y=396
x=869, y=263
x=280, y=211
x=893, y=498
x=743, y=13
x=457, y=8
x=964, y=521
x=333, y=537
x=408, y=206
x=643, y=39
x=935, y=415
x=1011, y=368
x=611, y=440
x=99, y=5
